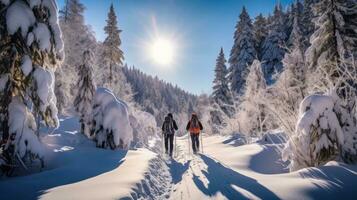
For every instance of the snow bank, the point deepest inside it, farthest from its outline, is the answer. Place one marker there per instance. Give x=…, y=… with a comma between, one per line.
x=259, y=163
x=274, y=137
x=78, y=170
x=111, y=118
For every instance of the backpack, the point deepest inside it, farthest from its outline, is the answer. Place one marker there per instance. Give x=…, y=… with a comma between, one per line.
x=168, y=126
x=194, y=126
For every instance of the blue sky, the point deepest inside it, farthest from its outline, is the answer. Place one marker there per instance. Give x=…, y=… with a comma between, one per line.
x=198, y=28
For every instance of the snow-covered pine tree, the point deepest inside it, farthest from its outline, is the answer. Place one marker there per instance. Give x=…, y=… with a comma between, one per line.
x=331, y=63
x=242, y=53
x=251, y=111
x=31, y=49
x=221, y=92
x=283, y=98
x=288, y=17
x=111, y=75
x=296, y=37
x=158, y=97
x=274, y=45
x=307, y=22
x=260, y=33
x=112, y=53
x=76, y=36
x=335, y=38
x=86, y=91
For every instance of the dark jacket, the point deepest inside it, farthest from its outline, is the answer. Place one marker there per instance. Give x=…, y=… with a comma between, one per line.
x=189, y=124
x=174, y=124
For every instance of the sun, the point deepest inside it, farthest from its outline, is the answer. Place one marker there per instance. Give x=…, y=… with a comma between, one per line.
x=162, y=51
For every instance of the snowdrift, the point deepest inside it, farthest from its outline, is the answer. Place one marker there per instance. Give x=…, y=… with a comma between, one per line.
x=263, y=164
x=75, y=169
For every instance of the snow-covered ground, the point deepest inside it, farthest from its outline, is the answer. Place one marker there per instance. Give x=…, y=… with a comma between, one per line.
x=254, y=171
x=78, y=170
x=226, y=170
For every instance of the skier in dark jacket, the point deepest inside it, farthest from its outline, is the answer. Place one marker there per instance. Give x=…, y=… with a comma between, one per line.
x=168, y=130
x=194, y=126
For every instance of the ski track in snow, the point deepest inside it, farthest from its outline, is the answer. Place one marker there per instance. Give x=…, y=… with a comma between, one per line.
x=192, y=177
x=253, y=171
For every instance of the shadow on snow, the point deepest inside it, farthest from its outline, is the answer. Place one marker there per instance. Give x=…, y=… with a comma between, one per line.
x=337, y=182
x=177, y=170
x=71, y=166
x=222, y=179
x=268, y=161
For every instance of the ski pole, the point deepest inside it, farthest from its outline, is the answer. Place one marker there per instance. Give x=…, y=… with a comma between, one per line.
x=175, y=147
x=163, y=145
x=188, y=139
x=201, y=144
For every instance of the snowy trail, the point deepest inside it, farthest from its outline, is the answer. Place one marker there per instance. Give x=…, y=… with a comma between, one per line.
x=203, y=177
x=229, y=170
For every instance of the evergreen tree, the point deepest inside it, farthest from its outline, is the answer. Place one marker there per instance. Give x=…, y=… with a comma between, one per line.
x=112, y=53
x=335, y=38
x=87, y=87
x=296, y=35
x=158, y=97
x=274, y=45
x=221, y=93
x=111, y=75
x=77, y=36
x=31, y=49
x=260, y=33
x=307, y=22
x=242, y=53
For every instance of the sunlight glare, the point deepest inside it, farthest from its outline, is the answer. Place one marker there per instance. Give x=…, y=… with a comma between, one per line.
x=162, y=51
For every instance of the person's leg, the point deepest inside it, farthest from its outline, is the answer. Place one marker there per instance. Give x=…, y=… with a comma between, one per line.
x=171, y=143
x=193, y=143
x=166, y=143
x=198, y=142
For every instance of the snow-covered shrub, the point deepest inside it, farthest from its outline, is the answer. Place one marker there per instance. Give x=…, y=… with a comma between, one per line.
x=282, y=99
x=31, y=49
x=218, y=118
x=144, y=126
x=251, y=113
x=318, y=136
x=111, y=125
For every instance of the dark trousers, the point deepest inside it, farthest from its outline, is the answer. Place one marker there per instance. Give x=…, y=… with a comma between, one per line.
x=169, y=138
x=195, y=142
